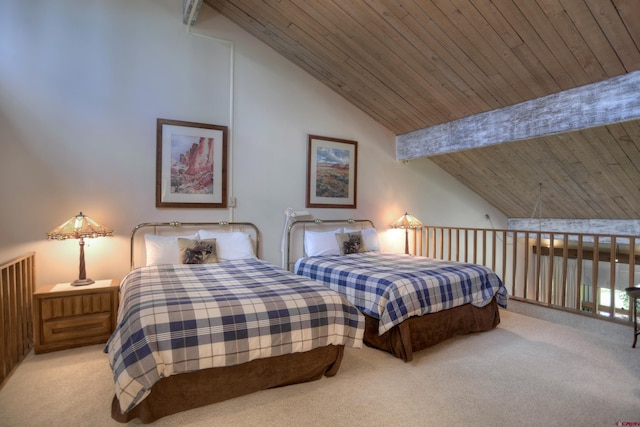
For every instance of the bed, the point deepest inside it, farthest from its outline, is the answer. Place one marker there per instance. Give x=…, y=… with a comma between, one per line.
x=410, y=302
x=204, y=320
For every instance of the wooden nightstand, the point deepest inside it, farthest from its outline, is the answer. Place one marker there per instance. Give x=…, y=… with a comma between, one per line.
x=68, y=316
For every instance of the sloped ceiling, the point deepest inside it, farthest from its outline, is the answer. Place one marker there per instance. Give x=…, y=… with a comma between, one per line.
x=418, y=63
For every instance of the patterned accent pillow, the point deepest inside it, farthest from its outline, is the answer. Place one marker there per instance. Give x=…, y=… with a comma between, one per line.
x=350, y=243
x=197, y=251
x=369, y=237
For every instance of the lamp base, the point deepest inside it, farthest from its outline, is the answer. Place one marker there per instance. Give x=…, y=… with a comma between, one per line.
x=82, y=282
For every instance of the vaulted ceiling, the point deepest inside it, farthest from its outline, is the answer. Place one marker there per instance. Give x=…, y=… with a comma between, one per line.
x=413, y=64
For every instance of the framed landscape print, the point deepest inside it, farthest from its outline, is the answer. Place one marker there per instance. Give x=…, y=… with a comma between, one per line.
x=331, y=172
x=191, y=165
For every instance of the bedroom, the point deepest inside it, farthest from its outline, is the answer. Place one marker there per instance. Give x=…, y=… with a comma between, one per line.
x=83, y=85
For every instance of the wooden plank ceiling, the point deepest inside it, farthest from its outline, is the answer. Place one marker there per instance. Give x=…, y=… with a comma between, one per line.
x=412, y=64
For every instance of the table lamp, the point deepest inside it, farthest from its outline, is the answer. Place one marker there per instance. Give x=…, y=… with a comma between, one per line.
x=79, y=227
x=406, y=222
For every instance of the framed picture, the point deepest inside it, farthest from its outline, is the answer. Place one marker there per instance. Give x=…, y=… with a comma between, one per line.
x=191, y=165
x=331, y=172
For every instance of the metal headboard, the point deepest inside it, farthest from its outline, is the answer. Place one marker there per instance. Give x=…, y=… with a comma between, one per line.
x=317, y=224
x=229, y=226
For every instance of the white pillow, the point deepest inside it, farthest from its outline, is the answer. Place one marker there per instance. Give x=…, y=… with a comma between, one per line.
x=369, y=237
x=231, y=245
x=318, y=243
x=163, y=249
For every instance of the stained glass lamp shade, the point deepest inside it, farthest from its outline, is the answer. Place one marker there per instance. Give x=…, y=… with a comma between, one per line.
x=406, y=222
x=80, y=227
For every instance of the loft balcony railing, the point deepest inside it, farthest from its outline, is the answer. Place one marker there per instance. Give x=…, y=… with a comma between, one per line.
x=577, y=272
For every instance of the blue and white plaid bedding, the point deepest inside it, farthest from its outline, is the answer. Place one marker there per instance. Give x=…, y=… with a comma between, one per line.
x=392, y=287
x=182, y=318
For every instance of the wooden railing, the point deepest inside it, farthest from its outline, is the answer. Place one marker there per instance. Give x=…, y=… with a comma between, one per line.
x=587, y=272
x=17, y=283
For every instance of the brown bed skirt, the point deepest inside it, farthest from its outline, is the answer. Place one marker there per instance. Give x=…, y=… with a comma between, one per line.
x=420, y=332
x=191, y=390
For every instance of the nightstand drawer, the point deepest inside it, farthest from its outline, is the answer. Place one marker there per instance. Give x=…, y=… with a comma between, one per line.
x=91, y=329
x=69, y=306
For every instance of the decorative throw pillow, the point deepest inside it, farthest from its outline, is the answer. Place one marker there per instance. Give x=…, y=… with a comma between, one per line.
x=350, y=243
x=369, y=237
x=198, y=251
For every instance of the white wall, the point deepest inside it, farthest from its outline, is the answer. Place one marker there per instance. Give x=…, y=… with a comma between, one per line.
x=81, y=87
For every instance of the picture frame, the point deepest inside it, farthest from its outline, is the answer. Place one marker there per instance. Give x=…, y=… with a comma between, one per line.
x=332, y=173
x=191, y=165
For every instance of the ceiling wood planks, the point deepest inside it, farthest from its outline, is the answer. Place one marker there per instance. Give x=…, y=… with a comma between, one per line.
x=417, y=64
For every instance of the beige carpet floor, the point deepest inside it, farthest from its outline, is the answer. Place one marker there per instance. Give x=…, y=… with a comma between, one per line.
x=538, y=368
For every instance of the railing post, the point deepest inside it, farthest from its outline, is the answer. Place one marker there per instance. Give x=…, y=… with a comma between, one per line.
x=565, y=256
x=434, y=242
x=632, y=261
x=579, y=297
x=504, y=259
x=484, y=247
x=526, y=259
x=514, y=262
x=552, y=251
x=538, y=262
x=594, y=276
x=632, y=270
x=475, y=246
x=612, y=276
x=426, y=242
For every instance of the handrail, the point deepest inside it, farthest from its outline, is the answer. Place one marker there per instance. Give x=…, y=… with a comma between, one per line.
x=17, y=284
x=522, y=258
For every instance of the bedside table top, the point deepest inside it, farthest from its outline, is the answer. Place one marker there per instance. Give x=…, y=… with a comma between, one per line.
x=66, y=287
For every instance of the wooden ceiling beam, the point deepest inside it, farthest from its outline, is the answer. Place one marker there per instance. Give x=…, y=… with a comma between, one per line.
x=610, y=101
x=190, y=8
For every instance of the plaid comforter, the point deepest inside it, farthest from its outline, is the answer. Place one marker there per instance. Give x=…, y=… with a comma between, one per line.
x=181, y=318
x=393, y=287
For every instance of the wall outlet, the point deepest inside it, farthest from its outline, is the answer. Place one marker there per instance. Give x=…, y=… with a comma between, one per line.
x=232, y=202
